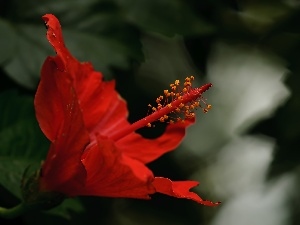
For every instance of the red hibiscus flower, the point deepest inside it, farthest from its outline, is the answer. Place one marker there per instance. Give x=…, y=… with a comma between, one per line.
x=94, y=149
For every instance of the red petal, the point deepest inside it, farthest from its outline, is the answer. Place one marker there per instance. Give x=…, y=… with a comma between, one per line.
x=147, y=150
x=179, y=189
x=55, y=37
x=49, y=100
x=111, y=174
x=97, y=98
x=60, y=118
x=115, y=113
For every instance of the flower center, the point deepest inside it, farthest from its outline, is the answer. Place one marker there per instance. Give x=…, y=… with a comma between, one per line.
x=176, y=105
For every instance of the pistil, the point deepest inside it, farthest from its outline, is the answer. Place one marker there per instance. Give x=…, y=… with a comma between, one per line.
x=180, y=101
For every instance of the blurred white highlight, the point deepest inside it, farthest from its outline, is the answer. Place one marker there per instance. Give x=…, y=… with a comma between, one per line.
x=266, y=204
x=239, y=166
x=247, y=87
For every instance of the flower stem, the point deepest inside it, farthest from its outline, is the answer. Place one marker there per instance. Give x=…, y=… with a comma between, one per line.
x=13, y=212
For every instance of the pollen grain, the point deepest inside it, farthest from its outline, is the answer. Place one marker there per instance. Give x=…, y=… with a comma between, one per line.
x=180, y=102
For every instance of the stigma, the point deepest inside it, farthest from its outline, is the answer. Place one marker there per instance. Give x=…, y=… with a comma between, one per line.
x=177, y=104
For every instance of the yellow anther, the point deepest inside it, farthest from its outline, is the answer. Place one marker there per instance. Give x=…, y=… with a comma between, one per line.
x=186, y=84
x=191, y=115
x=182, y=95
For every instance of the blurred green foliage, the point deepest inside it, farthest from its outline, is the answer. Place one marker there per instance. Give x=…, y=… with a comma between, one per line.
x=110, y=34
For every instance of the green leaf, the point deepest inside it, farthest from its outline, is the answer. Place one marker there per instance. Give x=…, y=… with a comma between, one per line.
x=65, y=209
x=7, y=41
x=33, y=48
x=165, y=17
x=31, y=51
x=110, y=25
x=70, y=11
x=12, y=171
x=20, y=135
x=21, y=141
x=102, y=52
x=92, y=34
x=14, y=108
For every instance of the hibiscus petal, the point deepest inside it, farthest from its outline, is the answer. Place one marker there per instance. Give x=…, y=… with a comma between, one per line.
x=60, y=118
x=147, y=150
x=115, y=114
x=49, y=111
x=55, y=37
x=111, y=174
x=97, y=98
x=179, y=189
